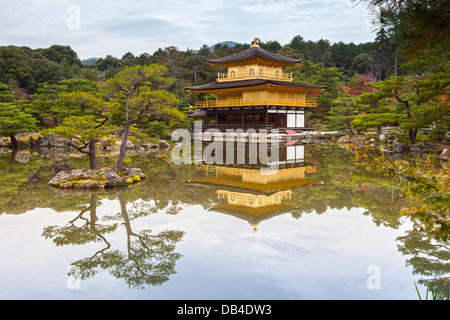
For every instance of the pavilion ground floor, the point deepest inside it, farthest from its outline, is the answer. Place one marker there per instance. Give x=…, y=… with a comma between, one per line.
x=253, y=117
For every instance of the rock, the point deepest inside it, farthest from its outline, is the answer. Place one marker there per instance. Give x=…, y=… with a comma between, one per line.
x=110, y=148
x=343, y=139
x=70, y=175
x=149, y=145
x=427, y=146
x=143, y=152
x=445, y=154
x=60, y=167
x=54, y=141
x=90, y=184
x=4, y=140
x=40, y=142
x=164, y=144
x=33, y=178
x=399, y=147
x=96, y=179
x=104, y=143
x=382, y=138
x=130, y=146
x=415, y=148
x=113, y=179
x=22, y=134
x=132, y=172
x=22, y=157
x=66, y=185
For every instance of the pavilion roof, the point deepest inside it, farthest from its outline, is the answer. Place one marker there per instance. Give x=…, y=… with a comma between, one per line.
x=251, y=83
x=253, y=52
x=253, y=215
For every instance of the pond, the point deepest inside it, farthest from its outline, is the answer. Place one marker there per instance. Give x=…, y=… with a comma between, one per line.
x=318, y=227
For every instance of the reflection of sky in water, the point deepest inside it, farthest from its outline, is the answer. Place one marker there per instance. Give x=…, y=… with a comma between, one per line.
x=315, y=257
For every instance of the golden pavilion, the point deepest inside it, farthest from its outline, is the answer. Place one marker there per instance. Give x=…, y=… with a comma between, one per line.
x=255, y=93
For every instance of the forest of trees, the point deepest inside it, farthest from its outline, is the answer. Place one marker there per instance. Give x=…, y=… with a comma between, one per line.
x=398, y=79
x=24, y=69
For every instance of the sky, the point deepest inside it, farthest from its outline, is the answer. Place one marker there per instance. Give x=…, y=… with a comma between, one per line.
x=100, y=28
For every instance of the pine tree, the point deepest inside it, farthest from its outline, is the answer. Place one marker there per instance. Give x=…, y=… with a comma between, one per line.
x=13, y=119
x=140, y=92
x=84, y=132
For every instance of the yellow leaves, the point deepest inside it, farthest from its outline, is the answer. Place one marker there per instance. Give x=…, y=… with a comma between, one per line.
x=425, y=185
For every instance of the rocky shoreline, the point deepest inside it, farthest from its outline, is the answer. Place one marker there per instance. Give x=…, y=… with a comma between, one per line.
x=397, y=148
x=35, y=140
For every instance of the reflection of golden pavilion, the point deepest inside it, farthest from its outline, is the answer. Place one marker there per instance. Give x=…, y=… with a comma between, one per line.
x=253, y=208
x=254, y=195
x=265, y=181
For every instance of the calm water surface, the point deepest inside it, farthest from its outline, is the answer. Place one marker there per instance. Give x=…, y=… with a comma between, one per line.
x=317, y=228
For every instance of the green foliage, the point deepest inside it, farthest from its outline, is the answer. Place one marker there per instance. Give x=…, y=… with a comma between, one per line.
x=413, y=101
x=434, y=292
x=5, y=94
x=14, y=65
x=439, y=133
x=362, y=122
x=421, y=26
x=50, y=100
x=81, y=128
x=343, y=112
x=13, y=118
x=139, y=92
x=361, y=64
x=157, y=129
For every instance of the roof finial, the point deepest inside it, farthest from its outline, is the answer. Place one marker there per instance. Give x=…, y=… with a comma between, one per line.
x=255, y=42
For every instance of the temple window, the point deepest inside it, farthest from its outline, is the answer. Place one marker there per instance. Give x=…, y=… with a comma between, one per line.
x=232, y=74
x=261, y=71
x=251, y=72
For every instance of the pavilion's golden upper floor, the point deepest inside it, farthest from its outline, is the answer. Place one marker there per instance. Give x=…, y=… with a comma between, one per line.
x=255, y=77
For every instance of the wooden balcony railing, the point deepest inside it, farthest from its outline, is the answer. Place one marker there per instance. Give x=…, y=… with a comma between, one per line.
x=264, y=102
x=246, y=76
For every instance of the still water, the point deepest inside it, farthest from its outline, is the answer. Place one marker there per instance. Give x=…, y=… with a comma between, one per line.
x=316, y=228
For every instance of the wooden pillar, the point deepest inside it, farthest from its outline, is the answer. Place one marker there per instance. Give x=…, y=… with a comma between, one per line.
x=267, y=117
x=242, y=111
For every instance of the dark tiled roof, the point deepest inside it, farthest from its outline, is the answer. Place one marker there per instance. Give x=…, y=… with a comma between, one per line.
x=198, y=113
x=250, y=83
x=253, y=52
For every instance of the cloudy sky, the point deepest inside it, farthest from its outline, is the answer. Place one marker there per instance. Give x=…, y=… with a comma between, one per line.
x=97, y=28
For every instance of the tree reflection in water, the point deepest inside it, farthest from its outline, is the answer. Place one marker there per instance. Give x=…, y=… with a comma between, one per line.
x=149, y=259
x=429, y=258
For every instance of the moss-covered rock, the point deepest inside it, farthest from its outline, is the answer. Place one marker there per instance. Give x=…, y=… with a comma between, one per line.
x=96, y=179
